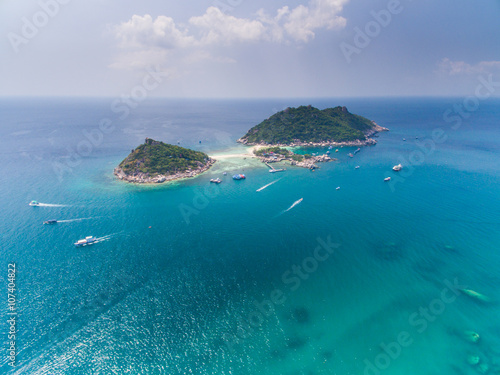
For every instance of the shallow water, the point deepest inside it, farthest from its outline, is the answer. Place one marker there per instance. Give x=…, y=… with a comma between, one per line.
x=181, y=285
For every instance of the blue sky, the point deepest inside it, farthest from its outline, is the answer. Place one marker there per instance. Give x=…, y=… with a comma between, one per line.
x=289, y=48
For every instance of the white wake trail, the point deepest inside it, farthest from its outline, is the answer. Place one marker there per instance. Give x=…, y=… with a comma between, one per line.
x=72, y=220
x=52, y=205
x=294, y=204
x=265, y=186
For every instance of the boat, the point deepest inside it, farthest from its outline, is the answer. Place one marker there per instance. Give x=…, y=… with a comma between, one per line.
x=34, y=203
x=276, y=170
x=239, y=177
x=330, y=147
x=387, y=179
x=338, y=188
x=337, y=150
x=404, y=139
x=216, y=180
x=397, y=168
x=358, y=150
x=328, y=152
x=350, y=155
x=49, y=222
x=225, y=173
x=356, y=167
x=89, y=240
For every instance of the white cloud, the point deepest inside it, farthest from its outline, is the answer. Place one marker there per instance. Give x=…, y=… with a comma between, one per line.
x=461, y=67
x=219, y=28
x=142, y=31
x=146, y=40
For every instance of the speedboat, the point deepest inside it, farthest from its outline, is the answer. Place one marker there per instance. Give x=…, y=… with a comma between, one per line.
x=276, y=170
x=239, y=177
x=387, y=179
x=358, y=150
x=356, y=167
x=34, y=203
x=350, y=155
x=397, y=168
x=338, y=188
x=216, y=180
x=89, y=240
x=49, y=222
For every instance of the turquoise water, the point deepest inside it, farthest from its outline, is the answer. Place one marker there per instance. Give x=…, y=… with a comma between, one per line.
x=176, y=288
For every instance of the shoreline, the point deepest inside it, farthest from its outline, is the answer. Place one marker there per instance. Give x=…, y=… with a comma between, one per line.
x=144, y=179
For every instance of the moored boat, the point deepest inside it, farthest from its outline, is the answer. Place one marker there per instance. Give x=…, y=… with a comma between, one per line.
x=216, y=180
x=276, y=170
x=89, y=240
x=239, y=177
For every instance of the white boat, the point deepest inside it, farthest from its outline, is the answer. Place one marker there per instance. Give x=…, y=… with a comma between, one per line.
x=216, y=180
x=338, y=188
x=276, y=170
x=34, y=203
x=387, y=179
x=356, y=167
x=397, y=168
x=89, y=240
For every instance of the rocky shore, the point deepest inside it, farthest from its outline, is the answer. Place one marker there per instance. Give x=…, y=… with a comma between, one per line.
x=309, y=163
x=144, y=178
x=358, y=143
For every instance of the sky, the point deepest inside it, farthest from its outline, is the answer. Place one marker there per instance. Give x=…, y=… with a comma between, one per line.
x=248, y=49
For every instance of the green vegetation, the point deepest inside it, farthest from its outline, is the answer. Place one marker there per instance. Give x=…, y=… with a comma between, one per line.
x=309, y=124
x=275, y=150
x=156, y=158
x=297, y=157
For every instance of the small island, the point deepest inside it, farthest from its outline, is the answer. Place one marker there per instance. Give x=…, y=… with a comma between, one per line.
x=157, y=162
x=309, y=126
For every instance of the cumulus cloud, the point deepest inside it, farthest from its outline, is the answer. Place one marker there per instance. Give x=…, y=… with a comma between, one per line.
x=142, y=31
x=145, y=40
x=217, y=28
x=461, y=67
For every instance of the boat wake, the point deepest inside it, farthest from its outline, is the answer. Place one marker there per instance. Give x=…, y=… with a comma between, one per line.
x=52, y=205
x=72, y=220
x=265, y=186
x=292, y=206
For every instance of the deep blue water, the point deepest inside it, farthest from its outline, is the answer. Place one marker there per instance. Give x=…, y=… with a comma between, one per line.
x=181, y=285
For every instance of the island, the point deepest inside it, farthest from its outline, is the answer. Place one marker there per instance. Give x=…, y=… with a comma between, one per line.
x=157, y=162
x=309, y=126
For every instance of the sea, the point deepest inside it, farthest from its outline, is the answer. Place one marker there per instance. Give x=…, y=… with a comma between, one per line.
x=332, y=271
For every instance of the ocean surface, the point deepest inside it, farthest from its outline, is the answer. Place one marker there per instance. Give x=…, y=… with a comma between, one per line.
x=193, y=278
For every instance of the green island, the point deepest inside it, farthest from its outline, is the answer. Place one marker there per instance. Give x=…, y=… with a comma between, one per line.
x=157, y=162
x=307, y=125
